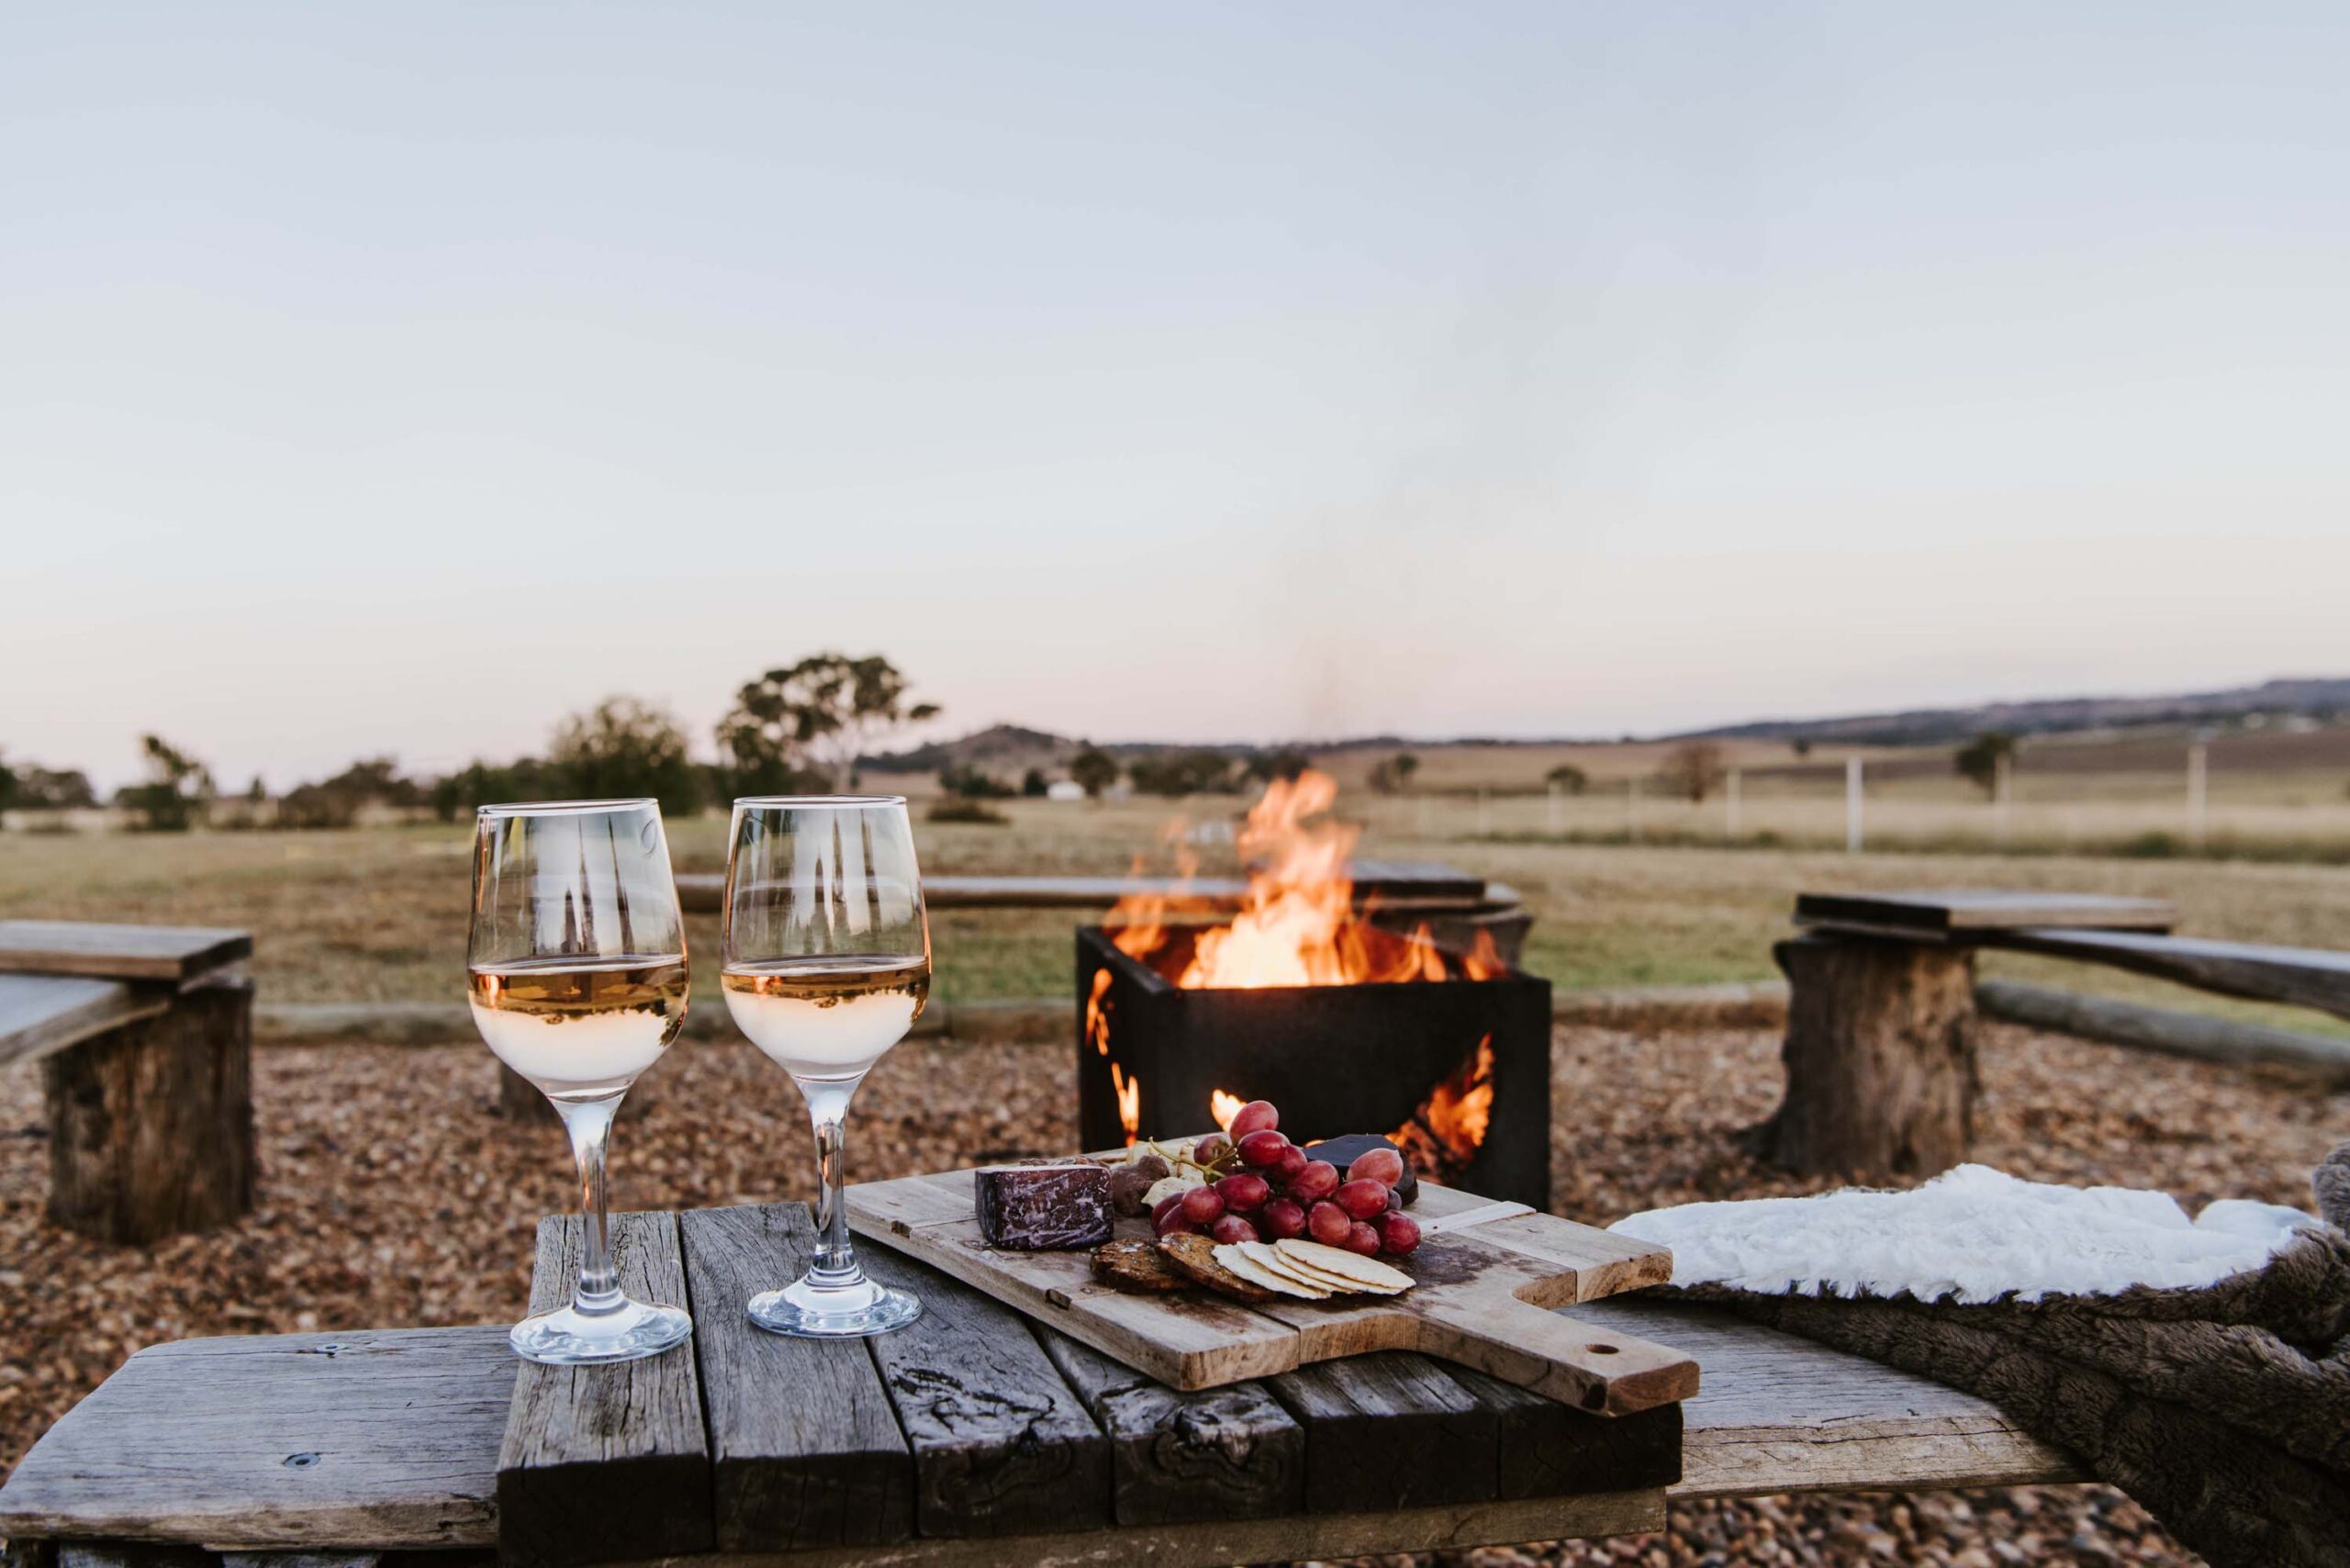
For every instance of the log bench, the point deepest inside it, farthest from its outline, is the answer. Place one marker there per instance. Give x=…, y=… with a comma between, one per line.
x=1882, y=1012
x=144, y=1036
x=972, y=1437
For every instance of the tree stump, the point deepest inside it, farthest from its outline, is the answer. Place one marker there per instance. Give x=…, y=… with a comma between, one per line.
x=152, y=1125
x=1880, y=1058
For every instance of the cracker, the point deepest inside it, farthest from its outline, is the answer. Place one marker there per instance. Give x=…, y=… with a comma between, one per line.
x=1138, y=1268
x=1193, y=1256
x=1247, y=1260
x=1359, y=1272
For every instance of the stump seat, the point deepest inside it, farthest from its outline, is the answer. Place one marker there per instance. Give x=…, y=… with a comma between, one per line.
x=144, y=1037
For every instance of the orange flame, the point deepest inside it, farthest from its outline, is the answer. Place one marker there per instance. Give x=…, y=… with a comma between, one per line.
x=1097, y=1013
x=1445, y=1133
x=1297, y=924
x=1129, y=1092
x=1223, y=1107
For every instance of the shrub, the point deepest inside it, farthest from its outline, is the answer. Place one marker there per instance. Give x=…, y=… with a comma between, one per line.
x=963, y=809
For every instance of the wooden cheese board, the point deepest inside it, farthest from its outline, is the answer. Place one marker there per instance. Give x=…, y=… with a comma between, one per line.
x=1486, y=1275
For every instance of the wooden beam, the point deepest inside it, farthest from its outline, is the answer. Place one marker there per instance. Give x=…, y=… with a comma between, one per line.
x=2166, y=1030
x=42, y=1014
x=1943, y=913
x=2301, y=977
x=805, y=1451
x=1393, y=886
x=604, y=1462
x=172, y=953
x=1389, y=1430
x=374, y=1438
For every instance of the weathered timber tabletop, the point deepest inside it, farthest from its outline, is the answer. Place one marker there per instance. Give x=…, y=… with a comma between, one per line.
x=973, y=1437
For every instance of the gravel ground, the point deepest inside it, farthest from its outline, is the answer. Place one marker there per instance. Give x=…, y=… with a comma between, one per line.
x=392, y=1195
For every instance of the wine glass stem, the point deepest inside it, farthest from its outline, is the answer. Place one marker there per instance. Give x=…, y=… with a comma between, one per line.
x=828, y=1110
x=591, y=1125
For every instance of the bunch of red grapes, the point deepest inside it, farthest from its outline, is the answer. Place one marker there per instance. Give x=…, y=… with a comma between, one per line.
x=1276, y=1191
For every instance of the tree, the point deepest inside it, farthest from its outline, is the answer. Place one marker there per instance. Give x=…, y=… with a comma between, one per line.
x=970, y=783
x=828, y=710
x=1693, y=768
x=1035, y=785
x=1393, y=775
x=482, y=783
x=178, y=789
x=1284, y=764
x=624, y=748
x=1979, y=758
x=1801, y=746
x=7, y=789
x=1094, y=770
x=1569, y=778
x=1199, y=772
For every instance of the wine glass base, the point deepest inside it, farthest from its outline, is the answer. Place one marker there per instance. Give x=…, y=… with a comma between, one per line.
x=850, y=1312
x=567, y=1337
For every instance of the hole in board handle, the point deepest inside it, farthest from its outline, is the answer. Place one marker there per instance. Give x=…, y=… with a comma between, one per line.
x=1601, y=1349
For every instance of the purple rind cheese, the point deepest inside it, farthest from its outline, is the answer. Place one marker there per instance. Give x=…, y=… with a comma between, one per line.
x=1037, y=1208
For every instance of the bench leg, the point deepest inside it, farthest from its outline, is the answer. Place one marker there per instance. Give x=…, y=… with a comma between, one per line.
x=1880, y=1058
x=152, y=1125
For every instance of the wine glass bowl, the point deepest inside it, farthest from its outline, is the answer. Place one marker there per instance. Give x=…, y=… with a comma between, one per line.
x=826, y=967
x=576, y=972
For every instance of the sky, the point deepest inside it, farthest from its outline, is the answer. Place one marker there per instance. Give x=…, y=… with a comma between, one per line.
x=398, y=378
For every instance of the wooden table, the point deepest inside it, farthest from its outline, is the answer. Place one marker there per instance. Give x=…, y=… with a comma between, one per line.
x=971, y=1438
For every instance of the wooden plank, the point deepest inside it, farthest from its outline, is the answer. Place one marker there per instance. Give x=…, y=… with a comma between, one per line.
x=1215, y=1543
x=172, y=953
x=1002, y=1445
x=805, y=1449
x=2301, y=977
x=301, y=1558
x=377, y=1438
x=1479, y=1303
x=129, y=1554
x=1548, y=1449
x=1390, y=1431
x=1229, y=1453
x=2165, y=1030
x=1779, y=1412
x=41, y=1015
x=603, y=1461
x=1936, y=913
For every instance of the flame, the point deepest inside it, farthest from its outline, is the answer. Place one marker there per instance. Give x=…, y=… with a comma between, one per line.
x=1129, y=1092
x=1223, y=1107
x=1297, y=924
x=1097, y=1013
x=1445, y=1133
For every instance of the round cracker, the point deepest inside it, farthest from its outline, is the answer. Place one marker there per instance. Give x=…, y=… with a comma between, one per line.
x=1236, y=1257
x=1266, y=1256
x=1194, y=1255
x=1362, y=1274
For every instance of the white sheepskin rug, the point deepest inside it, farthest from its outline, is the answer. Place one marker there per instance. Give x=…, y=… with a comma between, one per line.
x=1972, y=1234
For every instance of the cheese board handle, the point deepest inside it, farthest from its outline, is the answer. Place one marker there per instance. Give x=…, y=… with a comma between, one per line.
x=1598, y=1370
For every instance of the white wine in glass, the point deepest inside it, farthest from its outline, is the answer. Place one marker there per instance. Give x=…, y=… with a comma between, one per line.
x=826, y=967
x=576, y=973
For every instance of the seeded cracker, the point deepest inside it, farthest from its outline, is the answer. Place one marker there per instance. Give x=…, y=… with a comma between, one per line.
x=1138, y=1268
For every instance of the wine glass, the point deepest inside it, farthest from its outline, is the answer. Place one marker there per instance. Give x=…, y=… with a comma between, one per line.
x=576, y=968
x=826, y=967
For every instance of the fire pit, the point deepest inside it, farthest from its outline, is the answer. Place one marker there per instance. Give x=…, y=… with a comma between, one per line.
x=1302, y=999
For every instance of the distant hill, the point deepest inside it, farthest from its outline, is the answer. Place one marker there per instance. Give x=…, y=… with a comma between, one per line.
x=2320, y=699
x=991, y=747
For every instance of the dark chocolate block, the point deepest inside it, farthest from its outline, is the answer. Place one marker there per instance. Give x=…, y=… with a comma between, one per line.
x=1344, y=1151
x=1033, y=1208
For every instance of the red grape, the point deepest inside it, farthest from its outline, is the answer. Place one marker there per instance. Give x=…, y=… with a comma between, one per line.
x=1243, y=1192
x=1257, y=1116
x=1361, y=1238
x=1212, y=1150
x=1280, y=1220
x=1293, y=1160
x=1361, y=1199
x=1159, y=1210
x=1319, y=1179
x=1398, y=1232
x=1383, y=1166
x=1173, y=1222
x=1202, y=1206
x=1264, y=1148
x=1232, y=1229
x=1329, y=1223
x=1394, y=1197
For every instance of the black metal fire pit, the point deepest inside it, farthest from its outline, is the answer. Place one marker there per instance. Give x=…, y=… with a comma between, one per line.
x=1387, y=1057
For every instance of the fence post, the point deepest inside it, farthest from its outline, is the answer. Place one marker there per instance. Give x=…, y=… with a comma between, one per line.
x=2198, y=801
x=1852, y=837
x=1730, y=805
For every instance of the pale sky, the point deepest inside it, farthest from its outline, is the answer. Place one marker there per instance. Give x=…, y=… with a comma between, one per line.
x=399, y=377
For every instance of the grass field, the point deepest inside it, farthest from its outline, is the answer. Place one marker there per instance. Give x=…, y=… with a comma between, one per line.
x=380, y=913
